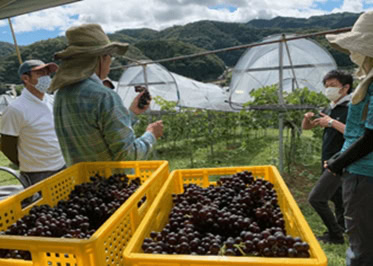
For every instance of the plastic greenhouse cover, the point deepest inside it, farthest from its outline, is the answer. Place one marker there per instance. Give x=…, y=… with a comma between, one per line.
x=5, y=100
x=259, y=67
x=183, y=91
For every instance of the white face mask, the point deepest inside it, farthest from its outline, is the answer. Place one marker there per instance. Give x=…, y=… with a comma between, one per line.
x=332, y=93
x=43, y=84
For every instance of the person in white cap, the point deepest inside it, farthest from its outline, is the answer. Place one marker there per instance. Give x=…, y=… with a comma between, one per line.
x=91, y=121
x=355, y=161
x=27, y=125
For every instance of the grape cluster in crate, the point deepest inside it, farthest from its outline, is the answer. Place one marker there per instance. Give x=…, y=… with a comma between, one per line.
x=240, y=216
x=89, y=205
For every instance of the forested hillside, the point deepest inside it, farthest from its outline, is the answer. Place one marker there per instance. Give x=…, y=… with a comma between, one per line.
x=191, y=38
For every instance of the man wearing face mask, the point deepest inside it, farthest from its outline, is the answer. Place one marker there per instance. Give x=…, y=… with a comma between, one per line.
x=338, y=86
x=27, y=126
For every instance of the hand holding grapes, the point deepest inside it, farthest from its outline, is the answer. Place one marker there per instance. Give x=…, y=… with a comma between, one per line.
x=141, y=102
x=323, y=120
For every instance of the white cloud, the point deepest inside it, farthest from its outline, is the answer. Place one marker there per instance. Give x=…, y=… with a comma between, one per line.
x=49, y=19
x=355, y=6
x=352, y=5
x=114, y=15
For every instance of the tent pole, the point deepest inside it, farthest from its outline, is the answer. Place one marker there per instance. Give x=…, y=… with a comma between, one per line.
x=291, y=63
x=281, y=102
x=15, y=42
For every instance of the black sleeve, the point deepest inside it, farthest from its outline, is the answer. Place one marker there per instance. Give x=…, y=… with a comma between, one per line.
x=360, y=148
x=9, y=148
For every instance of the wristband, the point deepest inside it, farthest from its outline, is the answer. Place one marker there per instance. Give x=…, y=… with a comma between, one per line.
x=330, y=123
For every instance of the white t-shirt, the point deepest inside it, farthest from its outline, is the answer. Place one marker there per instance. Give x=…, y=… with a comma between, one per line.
x=32, y=121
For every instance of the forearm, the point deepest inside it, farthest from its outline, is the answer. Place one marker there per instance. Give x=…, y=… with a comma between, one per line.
x=143, y=145
x=133, y=149
x=339, y=126
x=133, y=118
x=359, y=149
x=118, y=132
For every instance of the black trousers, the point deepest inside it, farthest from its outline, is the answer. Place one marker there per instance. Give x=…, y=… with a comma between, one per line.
x=329, y=188
x=358, y=202
x=35, y=177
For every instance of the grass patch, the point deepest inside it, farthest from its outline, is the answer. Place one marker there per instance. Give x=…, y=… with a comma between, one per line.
x=6, y=178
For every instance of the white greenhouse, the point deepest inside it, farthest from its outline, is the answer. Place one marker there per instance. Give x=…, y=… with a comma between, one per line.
x=296, y=63
x=183, y=91
x=5, y=100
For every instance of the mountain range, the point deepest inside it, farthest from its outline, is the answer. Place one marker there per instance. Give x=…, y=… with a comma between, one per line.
x=188, y=39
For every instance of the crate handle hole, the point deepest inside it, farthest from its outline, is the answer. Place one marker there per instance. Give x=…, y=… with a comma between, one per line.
x=30, y=200
x=15, y=254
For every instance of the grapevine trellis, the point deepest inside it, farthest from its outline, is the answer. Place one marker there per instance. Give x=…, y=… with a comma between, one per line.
x=191, y=130
x=281, y=107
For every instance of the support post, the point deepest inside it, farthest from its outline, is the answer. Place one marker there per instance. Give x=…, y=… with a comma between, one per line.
x=15, y=42
x=281, y=114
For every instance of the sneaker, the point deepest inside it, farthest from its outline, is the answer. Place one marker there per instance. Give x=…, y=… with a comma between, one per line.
x=331, y=239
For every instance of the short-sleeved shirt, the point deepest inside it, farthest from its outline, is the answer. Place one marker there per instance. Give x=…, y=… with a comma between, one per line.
x=31, y=120
x=355, y=128
x=92, y=124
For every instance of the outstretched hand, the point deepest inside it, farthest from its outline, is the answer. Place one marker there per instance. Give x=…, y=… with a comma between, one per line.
x=156, y=129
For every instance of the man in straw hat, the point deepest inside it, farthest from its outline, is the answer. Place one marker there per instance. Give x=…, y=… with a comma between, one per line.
x=356, y=157
x=27, y=125
x=91, y=122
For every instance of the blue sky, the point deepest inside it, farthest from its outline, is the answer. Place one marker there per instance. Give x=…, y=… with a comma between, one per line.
x=329, y=5
x=159, y=14
x=224, y=6
x=27, y=37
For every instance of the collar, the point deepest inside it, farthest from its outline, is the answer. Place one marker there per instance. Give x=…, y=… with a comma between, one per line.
x=96, y=78
x=344, y=99
x=28, y=95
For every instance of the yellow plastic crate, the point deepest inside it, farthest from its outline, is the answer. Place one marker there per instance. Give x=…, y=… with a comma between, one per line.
x=157, y=217
x=106, y=245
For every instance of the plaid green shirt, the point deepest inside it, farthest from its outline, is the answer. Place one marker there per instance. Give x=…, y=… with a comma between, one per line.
x=93, y=125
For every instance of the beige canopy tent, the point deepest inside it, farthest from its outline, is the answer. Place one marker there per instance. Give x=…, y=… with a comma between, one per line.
x=13, y=8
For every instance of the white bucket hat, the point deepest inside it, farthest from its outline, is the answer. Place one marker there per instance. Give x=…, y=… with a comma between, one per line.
x=359, y=44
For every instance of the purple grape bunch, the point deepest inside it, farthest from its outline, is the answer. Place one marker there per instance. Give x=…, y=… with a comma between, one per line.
x=240, y=216
x=89, y=205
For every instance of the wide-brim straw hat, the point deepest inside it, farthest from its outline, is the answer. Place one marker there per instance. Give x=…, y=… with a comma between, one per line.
x=359, y=39
x=86, y=43
x=90, y=40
